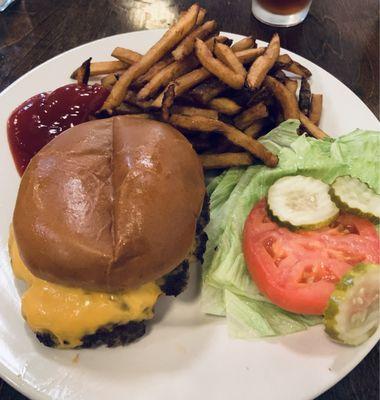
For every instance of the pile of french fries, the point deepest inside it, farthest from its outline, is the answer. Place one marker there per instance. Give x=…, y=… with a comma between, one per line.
x=221, y=96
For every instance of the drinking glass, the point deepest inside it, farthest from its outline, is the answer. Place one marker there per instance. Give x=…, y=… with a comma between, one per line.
x=281, y=12
x=5, y=3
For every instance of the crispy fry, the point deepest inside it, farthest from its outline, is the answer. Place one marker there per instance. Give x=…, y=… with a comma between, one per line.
x=249, y=55
x=184, y=83
x=208, y=90
x=291, y=85
x=253, y=146
x=298, y=69
x=279, y=75
x=254, y=130
x=224, y=105
x=186, y=47
x=127, y=109
x=216, y=67
x=304, y=100
x=167, y=102
x=246, y=98
x=244, y=44
x=171, y=72
x=263, y=64
x=109, y=80
x=155, y=69
x=311, y=128
x=232, y=134
x=201, y=16
x=102, y=68
x=245, y=119
x=191, y=111
x=144, y=116
x=131, y=98
x=286, y=99
x=126, y=55
x=197, y=76
x=285, y=62
x=316, y=108
x=228, y=57
x=166, y=75
x=222, y=39
x=83, y=73
x=173, y=36
x=226, y=160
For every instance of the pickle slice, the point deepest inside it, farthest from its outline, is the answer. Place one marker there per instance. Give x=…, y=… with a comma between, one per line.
x=352, y=314
x=354, y=196
x=301, y=202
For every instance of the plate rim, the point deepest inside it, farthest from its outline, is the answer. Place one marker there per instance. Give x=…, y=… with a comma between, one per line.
x=32, y=392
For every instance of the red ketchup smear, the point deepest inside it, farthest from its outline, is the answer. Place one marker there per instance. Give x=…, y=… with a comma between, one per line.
x=40, y=119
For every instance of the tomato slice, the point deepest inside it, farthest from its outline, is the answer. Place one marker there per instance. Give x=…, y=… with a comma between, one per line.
x=298, y=271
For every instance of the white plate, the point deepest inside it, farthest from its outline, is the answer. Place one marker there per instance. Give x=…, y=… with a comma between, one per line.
x=185, y=355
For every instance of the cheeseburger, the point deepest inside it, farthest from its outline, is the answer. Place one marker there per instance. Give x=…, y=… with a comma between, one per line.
x=107, y=217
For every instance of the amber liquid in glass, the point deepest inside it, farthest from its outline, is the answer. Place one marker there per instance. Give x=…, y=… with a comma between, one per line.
x=283, y=7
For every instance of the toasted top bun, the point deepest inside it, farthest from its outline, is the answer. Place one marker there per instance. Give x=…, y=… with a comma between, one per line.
x=109, y=205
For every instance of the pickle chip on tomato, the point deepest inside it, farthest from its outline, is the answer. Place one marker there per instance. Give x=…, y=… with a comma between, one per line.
x=352, y=314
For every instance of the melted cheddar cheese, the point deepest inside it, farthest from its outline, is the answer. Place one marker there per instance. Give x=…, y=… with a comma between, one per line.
x=71, y=313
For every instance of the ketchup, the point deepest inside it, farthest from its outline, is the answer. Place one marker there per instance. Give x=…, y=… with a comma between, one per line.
x=41, y=118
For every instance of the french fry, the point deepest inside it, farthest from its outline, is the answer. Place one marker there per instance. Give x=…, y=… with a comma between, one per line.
x=208, y=90
x=263, y=64
x=298, y=69
x=291, y=85
x=103, y=68
x=232, y=134
x=316, y=108
x=185, y=83
x=83, y=73
x=126, y=55
x=197, y=76
x=144, y=116
x=286, y=99
x=201, y=16
x=228, y=57
x=167, y=102
x=254, y=130
x=226, y=160
x=224, y=105
x=286, y=63
x=191, y=111
x=249, y=55
x=245, y=119
x=166, y=75
x=171, y=72
x=169, y=40
x=244, y=44
x=283, y=61
x=216, y=67
x=186, y=47
x=311, y=128
x=127, y=109
x=155, y=69
x=246, y=98
x=279, y=75
x=109, y=80
x=253, y=146
x=304, y=98
x=221, y=39
x=131, y=98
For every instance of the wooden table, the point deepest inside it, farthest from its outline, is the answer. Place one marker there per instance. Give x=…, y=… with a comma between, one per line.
x=341, y=36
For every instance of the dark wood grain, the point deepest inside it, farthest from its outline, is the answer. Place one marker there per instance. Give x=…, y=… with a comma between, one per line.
x=342, y=36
